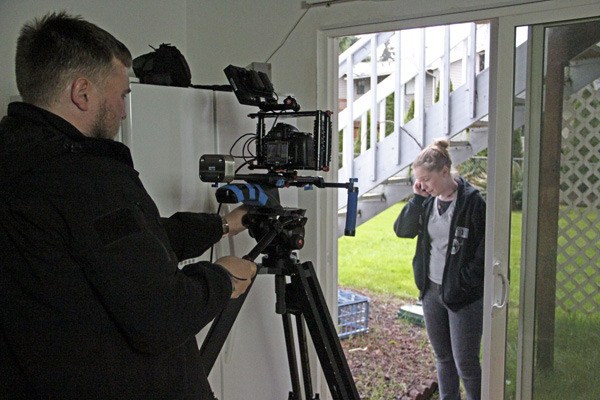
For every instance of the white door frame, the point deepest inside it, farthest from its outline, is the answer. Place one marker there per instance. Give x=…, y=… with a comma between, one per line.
x=502, y=39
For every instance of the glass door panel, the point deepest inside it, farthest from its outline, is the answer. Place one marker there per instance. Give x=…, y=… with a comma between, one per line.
x=567, y=294
x=516, y=223
x=544, y=210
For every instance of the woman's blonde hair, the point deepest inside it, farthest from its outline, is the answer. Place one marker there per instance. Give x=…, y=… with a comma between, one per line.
x=434, y=157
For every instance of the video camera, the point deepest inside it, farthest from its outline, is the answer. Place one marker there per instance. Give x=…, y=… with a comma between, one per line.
x=283, y=147
x=281, y=150
x=279, y=231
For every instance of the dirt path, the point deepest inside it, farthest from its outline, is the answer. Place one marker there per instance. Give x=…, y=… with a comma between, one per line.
x=394, y=360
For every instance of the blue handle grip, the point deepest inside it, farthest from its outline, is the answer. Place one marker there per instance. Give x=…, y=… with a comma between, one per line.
x=247, y=193
x=351, y=208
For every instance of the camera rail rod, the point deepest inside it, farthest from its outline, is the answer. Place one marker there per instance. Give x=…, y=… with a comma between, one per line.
x=283, y=180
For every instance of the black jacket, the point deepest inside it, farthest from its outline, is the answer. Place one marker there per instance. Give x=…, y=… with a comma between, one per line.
x=92, y=303
x=462, y=281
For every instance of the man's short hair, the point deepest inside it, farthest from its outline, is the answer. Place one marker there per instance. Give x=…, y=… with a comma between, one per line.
x=57, y=48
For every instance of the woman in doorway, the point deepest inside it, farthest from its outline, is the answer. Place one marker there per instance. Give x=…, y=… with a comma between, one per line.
x=448, y=216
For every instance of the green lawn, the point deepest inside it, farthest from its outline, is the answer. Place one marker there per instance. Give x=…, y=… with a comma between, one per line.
x=376, y=260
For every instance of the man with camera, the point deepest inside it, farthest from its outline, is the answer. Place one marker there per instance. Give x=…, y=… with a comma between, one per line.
x=93, y=304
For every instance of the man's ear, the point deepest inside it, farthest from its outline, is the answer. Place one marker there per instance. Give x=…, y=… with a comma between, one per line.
x=80, y=93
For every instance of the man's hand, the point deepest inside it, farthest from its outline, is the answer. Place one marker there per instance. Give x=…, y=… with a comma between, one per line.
x=234, y=220
x=241, y=272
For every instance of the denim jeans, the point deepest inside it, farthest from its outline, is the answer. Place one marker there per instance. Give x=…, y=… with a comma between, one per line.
x=456, y=338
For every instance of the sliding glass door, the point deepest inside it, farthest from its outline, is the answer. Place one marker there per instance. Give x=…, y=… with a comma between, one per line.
x=543, y=292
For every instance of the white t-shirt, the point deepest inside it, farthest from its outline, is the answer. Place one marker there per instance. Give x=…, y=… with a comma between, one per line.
x=439, y=233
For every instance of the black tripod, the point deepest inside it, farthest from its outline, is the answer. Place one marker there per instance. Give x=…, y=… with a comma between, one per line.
x=281, y=231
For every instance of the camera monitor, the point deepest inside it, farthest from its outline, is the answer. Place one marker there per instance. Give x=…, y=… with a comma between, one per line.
x=252, y=88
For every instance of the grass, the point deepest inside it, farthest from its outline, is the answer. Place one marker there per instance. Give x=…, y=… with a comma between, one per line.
x=575, y=372
x=378, y=261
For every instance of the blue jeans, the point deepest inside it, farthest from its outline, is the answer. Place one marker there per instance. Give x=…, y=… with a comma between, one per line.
x=456, y=339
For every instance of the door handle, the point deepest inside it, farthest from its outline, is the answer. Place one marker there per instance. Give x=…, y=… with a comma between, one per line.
x=504, y=290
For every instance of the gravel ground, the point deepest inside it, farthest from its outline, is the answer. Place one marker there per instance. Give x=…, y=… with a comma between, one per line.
x=394, y=360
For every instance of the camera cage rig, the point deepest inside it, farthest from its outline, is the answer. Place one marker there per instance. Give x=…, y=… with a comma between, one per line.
x=283, y=147
x=280, y=151
x=280, y=230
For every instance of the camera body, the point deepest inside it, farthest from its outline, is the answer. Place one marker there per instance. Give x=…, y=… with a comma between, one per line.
x=285, y=148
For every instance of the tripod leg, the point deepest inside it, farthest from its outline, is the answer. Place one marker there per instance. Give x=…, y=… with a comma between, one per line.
x=287, y=306
x=222, y=324
x=303, y=349
x=219, y=330
x=323, y=333
x=281, y=308
x=295, y=394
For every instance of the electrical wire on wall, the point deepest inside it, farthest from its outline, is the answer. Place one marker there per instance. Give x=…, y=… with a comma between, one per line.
x=307, y=6
x=288, y=35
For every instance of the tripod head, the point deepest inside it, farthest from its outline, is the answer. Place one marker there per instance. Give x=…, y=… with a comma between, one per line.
x=277, y=230
x=287, y=223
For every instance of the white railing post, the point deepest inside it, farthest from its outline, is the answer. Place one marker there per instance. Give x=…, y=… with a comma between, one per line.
x=445, y=83
x=465, y=60
x=382, y=118
x=348, y=145
x=420, y=83
x=363, y=132
x=373, y=113
x=471, y=71
x=398, y=94
x=486, y=46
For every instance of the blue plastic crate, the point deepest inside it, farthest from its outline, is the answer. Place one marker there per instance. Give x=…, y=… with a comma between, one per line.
x=353, y=313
